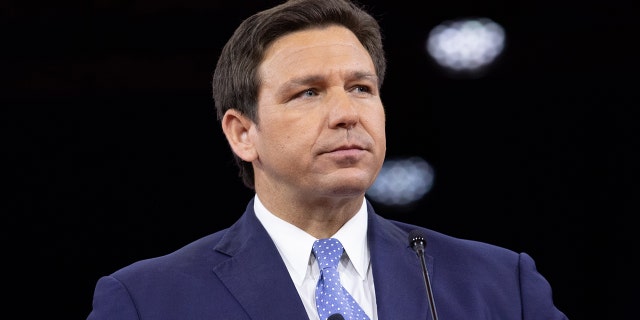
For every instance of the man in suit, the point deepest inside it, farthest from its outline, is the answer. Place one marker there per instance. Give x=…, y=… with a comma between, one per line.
x=297, y=91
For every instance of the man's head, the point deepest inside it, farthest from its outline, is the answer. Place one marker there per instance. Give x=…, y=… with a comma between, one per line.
x=237, y=80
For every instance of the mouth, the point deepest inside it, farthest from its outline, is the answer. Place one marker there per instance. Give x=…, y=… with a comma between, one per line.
x=347, y=152
x=347, y=148
x=356, y=145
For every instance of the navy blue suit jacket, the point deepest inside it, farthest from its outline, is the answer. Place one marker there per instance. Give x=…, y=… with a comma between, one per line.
x=237, y=273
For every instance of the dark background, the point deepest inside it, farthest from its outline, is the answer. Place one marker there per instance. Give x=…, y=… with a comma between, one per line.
x=114, y=153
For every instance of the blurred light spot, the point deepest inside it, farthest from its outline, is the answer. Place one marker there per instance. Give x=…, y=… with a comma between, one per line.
x=402, y=181
x=466, y=45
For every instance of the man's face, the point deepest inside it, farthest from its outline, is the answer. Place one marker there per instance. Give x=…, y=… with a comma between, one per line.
x=321, y=125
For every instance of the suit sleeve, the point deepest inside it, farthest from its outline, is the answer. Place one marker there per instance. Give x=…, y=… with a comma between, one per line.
x=537, y=299
x=112, y=301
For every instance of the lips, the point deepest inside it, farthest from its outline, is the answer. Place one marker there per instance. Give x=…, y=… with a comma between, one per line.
x=348, y=147
x=347, y=154
x=354, y=143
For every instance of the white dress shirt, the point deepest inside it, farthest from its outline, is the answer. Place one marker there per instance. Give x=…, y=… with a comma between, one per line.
x=295, y=245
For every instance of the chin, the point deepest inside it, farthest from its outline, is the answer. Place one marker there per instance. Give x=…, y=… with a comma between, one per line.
x=352, y=188
x=345, y=182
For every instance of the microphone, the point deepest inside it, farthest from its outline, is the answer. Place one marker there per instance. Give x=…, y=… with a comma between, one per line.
x=335, y=316
x=418, y=243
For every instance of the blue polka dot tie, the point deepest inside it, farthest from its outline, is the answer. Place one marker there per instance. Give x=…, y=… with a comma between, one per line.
x=331, y=297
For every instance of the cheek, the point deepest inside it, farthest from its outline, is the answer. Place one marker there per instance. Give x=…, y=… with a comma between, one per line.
x=378, y=126
x=379, y=136
x=287, y=140
x=381, y=142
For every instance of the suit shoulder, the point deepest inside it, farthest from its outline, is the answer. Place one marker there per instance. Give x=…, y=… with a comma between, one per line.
x=437, y=240
x=188, y=257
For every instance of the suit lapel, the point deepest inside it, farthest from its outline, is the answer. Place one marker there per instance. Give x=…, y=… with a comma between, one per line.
x=250, y=271
x=397, y=273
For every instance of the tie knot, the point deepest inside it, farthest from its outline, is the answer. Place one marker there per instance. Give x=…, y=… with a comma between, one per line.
x=328, y=252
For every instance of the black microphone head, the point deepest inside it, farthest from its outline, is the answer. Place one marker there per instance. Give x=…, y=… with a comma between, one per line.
x=416, y=237
x=335, y=316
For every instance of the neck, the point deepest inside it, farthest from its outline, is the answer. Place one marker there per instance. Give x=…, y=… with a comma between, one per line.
x=321, y=219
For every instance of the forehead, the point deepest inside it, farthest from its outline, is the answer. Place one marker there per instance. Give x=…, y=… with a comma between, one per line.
x=317, y=48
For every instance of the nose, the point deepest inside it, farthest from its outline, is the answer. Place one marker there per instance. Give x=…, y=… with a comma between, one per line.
x=343, y=112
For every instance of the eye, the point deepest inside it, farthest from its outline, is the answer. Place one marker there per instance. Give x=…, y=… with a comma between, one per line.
x=306, y=93
x=362, y=89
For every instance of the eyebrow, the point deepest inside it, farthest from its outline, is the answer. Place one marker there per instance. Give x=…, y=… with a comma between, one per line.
x=313, y=79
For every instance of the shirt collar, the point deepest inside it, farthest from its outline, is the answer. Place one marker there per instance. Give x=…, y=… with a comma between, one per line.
x=353, y=236
x=294, y=244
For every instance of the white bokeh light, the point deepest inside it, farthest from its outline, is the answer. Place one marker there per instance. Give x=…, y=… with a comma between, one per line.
x=402, y=181
x=466, y=45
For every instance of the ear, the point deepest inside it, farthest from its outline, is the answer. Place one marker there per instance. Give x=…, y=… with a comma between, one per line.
x=236, y=128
